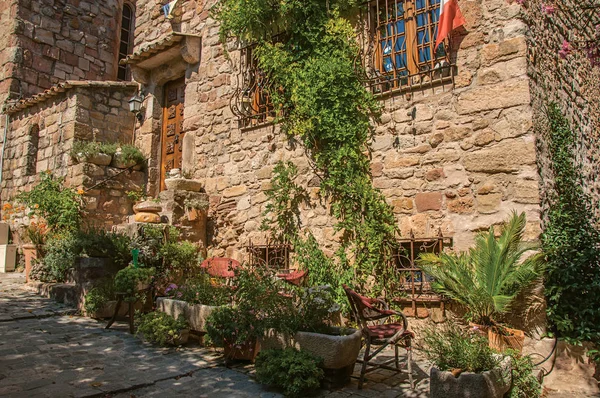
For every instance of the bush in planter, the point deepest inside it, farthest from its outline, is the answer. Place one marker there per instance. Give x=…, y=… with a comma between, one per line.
x=452, y=347
x=62, y=250
x=487, y=279
x=200, y=290
x=90, y=148
x=97, y=298
x=129, y=279
x=162, y=329
x=256, y=307
x=296, y=372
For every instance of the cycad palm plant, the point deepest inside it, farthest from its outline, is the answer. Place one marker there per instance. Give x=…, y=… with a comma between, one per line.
x=488, y=277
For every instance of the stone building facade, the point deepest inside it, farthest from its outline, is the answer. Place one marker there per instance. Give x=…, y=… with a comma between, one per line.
x=452, y=157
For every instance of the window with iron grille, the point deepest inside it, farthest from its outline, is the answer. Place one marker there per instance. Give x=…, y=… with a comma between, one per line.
x=125, y=40
x=272, y=255
x=252, y=100
x=416, y=285
x=401, y=51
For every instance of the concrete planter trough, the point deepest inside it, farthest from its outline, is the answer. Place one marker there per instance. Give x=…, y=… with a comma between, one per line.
x=194, y=314
x=490, y=384
x=339, y=350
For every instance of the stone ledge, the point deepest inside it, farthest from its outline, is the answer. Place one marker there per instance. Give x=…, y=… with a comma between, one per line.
x=66, y=293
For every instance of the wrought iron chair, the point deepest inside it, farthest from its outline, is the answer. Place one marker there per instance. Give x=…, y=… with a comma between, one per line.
x=376, y=332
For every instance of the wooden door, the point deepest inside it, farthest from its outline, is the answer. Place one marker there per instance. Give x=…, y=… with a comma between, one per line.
x=172, y=129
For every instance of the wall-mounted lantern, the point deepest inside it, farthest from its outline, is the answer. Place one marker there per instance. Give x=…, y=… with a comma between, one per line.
x=135, y=106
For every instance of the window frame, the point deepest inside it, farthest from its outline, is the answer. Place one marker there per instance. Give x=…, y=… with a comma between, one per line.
x=123, y=71
x=437, y=67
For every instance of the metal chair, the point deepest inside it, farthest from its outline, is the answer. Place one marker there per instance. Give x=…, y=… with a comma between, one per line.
x=376, y=332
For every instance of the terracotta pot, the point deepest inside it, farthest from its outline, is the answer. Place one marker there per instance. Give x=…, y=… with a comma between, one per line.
x=514, y=340
x=30, y=251
x=193, y=214
x=244, y=352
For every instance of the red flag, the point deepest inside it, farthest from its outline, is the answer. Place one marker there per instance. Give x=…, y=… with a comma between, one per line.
x=450, y=19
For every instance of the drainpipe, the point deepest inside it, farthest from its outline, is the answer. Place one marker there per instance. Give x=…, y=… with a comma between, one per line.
x=7, y=121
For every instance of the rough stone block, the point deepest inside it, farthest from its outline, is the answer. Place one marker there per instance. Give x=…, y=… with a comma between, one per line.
x=428, y=201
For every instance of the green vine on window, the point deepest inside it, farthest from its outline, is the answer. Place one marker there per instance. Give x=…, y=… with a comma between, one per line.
x=571, y=241
x=319, y=89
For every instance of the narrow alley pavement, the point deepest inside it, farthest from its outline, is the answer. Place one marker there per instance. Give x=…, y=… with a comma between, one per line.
x=46, y=350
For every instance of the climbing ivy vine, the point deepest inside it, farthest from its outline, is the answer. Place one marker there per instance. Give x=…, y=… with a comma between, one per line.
x=325, y=107
x=571, y=241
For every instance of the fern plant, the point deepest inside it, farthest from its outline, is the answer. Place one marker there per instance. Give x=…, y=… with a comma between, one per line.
x=488, y=277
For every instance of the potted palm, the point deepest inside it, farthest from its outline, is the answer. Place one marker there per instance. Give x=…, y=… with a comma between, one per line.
x=487, y=279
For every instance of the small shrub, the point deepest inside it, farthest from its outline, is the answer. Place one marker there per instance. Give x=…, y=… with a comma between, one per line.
x=524, y=383
x=91, y=148
x=128, y=279
x=60, y=254
x=160, y=328
x=452, y=347
x=182, y=259
x=97, y=297
x=234, y=325
x=297, y=373
x=200, y=290
x=51, y=200
x=132, y=154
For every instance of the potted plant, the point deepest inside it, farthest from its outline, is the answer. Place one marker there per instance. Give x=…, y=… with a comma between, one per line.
x=33, y=251
x=160, y=328
x=238, y=328
x=487, y=279
x=132, y=280
x=308, y=326
x=463, y=364
x=194, y=208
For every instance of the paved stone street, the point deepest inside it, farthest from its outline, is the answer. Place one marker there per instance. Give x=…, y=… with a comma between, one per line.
x=45, y=351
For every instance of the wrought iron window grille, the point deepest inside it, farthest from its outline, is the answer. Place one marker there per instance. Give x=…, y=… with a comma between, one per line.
x=398, y=46
x=271, y=255
x=415, y=284
x=252, y=100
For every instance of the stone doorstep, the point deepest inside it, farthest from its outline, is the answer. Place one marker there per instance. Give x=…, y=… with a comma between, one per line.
x=66, y=293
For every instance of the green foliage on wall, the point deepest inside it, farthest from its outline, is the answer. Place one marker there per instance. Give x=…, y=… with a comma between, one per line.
x=325, y=107
x=571, y=241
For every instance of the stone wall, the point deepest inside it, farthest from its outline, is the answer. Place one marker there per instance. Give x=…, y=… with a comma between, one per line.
x=462, y=164
x=42, y=131
x=8, y=49
x=572, y=82
x=57, y=40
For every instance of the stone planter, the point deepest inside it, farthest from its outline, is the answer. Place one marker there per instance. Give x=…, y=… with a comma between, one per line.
x=339, y=352
x=194, y=314
x=120, y=163
x=490, y=384
x=183, y=184
x=100, y=159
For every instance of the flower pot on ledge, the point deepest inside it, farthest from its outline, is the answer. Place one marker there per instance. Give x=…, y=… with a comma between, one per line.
x=31, y=253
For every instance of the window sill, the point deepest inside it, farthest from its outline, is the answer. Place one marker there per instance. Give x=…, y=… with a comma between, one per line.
x=382, y=95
